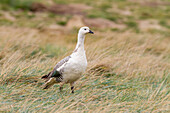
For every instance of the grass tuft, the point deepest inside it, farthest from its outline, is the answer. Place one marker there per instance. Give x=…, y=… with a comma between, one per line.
x=128, y=68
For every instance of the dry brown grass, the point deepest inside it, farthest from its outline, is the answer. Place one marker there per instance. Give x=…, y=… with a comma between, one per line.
x=127, y=72
x=128, y=67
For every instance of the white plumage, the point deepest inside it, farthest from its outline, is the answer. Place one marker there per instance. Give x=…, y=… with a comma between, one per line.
x=70, y=69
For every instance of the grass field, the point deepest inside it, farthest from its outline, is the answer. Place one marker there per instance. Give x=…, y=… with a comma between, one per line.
x=128, y=56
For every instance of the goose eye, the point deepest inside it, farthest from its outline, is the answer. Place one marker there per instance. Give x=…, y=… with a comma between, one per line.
x=84, y=29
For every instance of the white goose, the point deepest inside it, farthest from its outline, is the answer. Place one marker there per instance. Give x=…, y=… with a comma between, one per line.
x=70, y=69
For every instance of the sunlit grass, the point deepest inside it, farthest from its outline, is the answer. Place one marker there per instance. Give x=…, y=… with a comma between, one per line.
x=128, y=69
x=121, y=76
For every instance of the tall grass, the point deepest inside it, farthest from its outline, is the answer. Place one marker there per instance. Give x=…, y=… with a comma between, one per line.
x=122, y=75
x=128, y=69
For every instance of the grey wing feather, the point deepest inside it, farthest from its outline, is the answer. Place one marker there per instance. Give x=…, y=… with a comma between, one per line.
x=55, y=73
x=62, y=62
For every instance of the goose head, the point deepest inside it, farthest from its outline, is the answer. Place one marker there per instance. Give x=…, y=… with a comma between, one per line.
x=85, y=30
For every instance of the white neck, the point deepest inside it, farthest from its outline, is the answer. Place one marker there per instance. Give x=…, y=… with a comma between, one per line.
x=80, y=42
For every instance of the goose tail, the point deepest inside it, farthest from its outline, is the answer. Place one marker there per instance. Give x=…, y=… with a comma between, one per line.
x=49, y=83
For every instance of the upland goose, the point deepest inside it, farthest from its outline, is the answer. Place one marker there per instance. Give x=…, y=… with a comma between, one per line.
x=70, y=69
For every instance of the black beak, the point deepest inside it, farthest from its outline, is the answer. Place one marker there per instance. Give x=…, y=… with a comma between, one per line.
x=91, y=32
